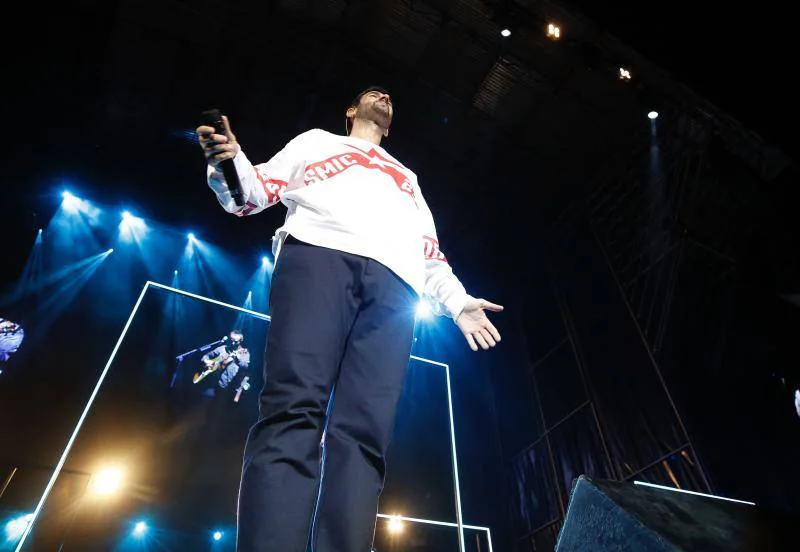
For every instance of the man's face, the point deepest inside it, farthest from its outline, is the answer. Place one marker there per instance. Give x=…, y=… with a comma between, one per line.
x=375, y=106
x=8, y=326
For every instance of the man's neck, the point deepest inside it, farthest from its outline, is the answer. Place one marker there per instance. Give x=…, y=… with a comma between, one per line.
x=367, y=130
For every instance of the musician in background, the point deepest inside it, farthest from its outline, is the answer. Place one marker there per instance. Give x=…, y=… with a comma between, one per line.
x=11, y=336
x=232, y=361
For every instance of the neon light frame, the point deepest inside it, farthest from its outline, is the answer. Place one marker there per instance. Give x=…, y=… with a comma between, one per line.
x=59, y=466
x=444, y=524
x=673, y=489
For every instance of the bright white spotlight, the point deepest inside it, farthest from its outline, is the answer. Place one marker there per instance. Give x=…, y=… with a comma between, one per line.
x=17, y=526
x=217, y=535
x=652, y=115
x=190, y=236
x=176, y=272
x=40, y=230
x=249, y=293
x=111, y=250
x=139, y=529
x=553, y=31
x=132, y=228
x=624, y=74
x=264, y=261
x=424, y=310
x=395, y=524
x=107, y=481
x=70, y=203
x=505, y=33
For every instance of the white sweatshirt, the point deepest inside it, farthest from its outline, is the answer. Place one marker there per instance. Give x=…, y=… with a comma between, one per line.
x=348, y=194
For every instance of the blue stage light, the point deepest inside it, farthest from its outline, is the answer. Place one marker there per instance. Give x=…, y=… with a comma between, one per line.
x=191, y=236
x=217, y=535
x=424, y=310
x=132, y=228
x=139, y=529
x=16, y=527
x=70, y=203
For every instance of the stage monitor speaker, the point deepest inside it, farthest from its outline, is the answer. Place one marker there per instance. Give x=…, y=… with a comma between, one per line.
x=606, y=516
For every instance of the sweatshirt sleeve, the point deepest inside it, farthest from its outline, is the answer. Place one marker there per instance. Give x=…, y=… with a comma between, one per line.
x=442, y=287
x=262, y=185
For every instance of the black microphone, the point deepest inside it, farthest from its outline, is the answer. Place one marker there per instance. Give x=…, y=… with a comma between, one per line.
x=213, y=118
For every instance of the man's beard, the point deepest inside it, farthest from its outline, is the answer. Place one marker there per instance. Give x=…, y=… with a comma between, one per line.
x=379, y=115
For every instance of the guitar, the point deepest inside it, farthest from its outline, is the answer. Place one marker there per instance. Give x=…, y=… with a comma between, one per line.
x=212, y=365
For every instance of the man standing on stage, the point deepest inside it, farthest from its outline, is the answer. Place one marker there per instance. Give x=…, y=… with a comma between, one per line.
x=357, y=249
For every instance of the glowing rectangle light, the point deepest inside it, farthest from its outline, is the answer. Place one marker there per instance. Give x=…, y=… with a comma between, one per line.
x=48, y=488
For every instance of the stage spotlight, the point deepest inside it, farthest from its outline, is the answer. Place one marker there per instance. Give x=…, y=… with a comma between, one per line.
x=265, y=261
x=424, y=310
x=70, y=203
x=110, y=250
x=653, y=115
x=139, y=529
x=190, y=236
x=217, y=536
x=624, y=74
x=16, y=527
x=176, y=272
x=107, y=481
x=395, y=524
x=132, y=228
x=40, y=230
x=553, y=31
x=505, y=33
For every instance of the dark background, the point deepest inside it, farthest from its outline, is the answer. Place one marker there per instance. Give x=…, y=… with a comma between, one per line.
x=537, y=163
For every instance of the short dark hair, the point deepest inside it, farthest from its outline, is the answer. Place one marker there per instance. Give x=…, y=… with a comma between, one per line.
x=357, y=99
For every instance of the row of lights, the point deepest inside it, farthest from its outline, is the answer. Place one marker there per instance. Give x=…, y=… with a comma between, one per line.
x=15, y=527
x=553, y=32
x=128, y=220
x=109, y=481
x=73, y=204
x=141, y=528
x=106, y=482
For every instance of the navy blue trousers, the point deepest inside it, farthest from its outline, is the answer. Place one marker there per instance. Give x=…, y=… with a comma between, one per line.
x=339, y=322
